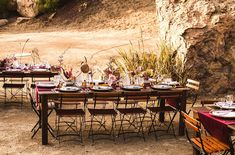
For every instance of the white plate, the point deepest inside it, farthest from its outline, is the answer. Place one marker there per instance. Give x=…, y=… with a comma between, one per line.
x=223, y=113
x=102, y=88
x=14, y=70
x=162, y=87
x=224, y=105
x=132, y=87
x=46, y=84
x=171, y=83
x=69, y=89
x=39, y=70
x=98, y=81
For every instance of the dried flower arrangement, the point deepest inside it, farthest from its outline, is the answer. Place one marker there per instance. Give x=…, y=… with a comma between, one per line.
x=165, y=62
x=7, y=61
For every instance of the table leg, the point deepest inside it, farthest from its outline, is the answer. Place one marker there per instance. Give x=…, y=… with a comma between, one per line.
x=44, y=119
x=162, y=114
x=182, y=108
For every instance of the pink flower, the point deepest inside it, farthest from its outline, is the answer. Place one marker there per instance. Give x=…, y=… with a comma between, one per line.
x=112, y=77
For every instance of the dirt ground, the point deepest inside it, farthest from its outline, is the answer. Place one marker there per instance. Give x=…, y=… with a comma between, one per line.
x=15, y=138
x=97, y=46
x=92, y=28
x=91, y=15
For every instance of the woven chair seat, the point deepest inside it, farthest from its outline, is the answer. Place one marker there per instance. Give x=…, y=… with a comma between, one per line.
x=70, y=112
x=161, y=109
x=13, y=85
x=102, y=111
x=131, y=111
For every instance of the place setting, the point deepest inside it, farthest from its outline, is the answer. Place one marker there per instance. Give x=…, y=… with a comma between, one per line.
x=101, y=88
x=227, y=107
x=130, y=84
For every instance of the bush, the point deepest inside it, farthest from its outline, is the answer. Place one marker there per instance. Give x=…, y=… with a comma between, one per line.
x=3, y=8
x=3, y=4
x=47, y=5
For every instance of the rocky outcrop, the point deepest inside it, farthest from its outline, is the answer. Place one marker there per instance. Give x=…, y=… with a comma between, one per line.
x=205, y=32
x=27, y=8
x=3, y=22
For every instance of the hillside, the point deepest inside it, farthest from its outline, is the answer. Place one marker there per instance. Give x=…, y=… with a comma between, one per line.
x=87, y=15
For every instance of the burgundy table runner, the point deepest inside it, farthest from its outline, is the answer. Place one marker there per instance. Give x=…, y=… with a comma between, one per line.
x=40, y=89
x=217, y=127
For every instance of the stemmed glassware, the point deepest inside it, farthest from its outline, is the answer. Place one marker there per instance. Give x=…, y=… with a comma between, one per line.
x=229, y=99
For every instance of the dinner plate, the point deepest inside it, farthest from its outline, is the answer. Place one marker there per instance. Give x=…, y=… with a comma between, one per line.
x=224, y=105
x=14, y=70
x=132, y=87
x=162, y=87
x=102, y=88
x=46, y=84
x=39, y=70
x=171, y=83
x=69, y=89
x=98, y=81
x=223, y=113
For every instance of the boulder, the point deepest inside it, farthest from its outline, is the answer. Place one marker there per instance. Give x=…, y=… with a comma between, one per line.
x=27, y=8
x=205, y=32
x=3, y=22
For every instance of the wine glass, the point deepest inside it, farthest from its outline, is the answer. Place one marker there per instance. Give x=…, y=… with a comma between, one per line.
x=229, y=99
x=57, y=80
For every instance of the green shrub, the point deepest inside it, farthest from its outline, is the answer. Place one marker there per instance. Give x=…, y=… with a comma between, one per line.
x=3, y=5
x=47, y=5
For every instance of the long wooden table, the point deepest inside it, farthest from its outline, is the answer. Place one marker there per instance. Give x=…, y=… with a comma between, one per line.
x=46, y=95
x=27, y=74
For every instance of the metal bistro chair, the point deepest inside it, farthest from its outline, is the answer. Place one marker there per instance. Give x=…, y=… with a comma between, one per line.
x=131, y=114
x=194, y=86
x=70, y=107
x=37, y=110
x=100, y=112
x=13, y=86
x=157, y=125
x=205, y=144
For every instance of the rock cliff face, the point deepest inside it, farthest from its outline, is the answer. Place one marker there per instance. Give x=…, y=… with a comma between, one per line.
x=27, y=8
x=205, y=31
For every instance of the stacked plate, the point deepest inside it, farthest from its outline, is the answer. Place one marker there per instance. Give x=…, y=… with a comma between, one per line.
x=102, y=88
x=46, y=84
x=170, y=83
x=69, y=89
x=225, y=105
x=223, y=113
x=132, y=87
x=39, y=70
x=161, y=87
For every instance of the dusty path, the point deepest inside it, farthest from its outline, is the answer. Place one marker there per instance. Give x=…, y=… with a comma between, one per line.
x=16, y=123
x=100, y=45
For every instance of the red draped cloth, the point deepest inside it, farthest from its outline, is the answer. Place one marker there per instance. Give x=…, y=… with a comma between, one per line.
x=171, y=102
x=40, y=89
x=217, y=127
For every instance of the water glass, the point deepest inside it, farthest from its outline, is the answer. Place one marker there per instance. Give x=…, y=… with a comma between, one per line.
x=229, y=99
x=57, y=79
x=141, y=81
x=222, y=99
